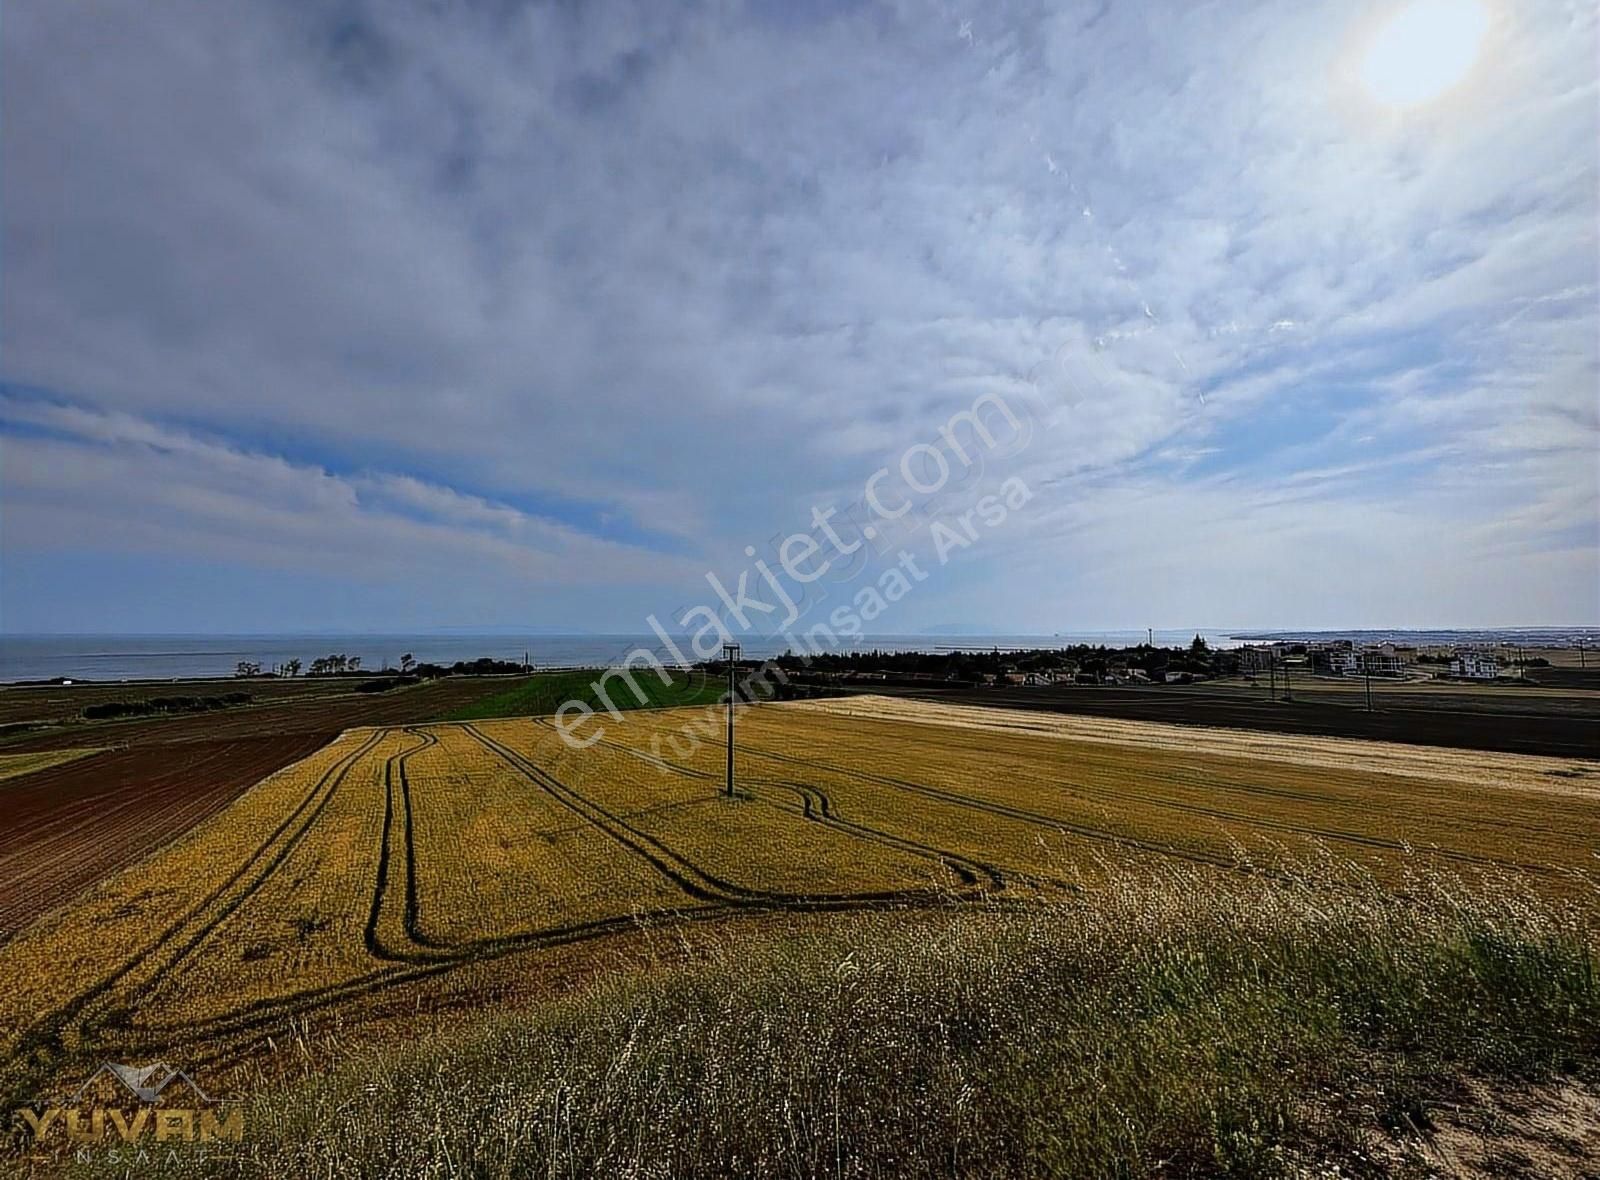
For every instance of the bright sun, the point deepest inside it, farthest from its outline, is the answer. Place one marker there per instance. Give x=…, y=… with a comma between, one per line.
x=1424, y=50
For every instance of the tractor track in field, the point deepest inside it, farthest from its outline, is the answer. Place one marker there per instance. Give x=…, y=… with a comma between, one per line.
x=222, y=1039
x=380, y=885
x=682, y=871
x=817, y=807
x=716, y=899
x=1104, y=795
x=260, y=1017
x=433, y=959
x=271, y=1012
x=173, y=772
x=410, y=923
x=1003, y=810
x=669, y=864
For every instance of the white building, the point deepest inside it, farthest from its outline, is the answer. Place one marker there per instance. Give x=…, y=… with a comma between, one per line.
x=1380, y=662
x=1474, y=665
x=1342, y=662
x=1254, y=659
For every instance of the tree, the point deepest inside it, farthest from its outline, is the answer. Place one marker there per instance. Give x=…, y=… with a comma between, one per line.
x=1199, y=647
x=406, y=662
x=291, y=668
x=244, y=668
x=355, y=663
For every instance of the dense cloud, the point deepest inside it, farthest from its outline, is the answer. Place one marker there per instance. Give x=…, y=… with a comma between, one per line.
x=579, y=300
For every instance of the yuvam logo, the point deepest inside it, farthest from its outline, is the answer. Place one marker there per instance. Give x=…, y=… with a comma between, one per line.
x=147, y=1082
x=93, y=1110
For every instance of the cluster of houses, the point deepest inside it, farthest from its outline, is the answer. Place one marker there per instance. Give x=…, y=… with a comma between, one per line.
x=1149, y=665
x=1346, y=658
x=1116, y=670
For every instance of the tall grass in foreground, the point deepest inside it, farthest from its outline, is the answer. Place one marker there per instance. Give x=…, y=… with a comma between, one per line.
x=1172, y=1022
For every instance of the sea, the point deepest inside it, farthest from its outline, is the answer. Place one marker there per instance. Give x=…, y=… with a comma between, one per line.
x=111, y=658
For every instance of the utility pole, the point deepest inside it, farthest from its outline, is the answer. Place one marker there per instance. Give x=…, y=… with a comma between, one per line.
x=1369, y=686
x=731, y=653
x=1288, y=694
x=1272, y=677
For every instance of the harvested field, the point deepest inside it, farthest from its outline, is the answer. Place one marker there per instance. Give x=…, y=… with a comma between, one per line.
x=15, y=765
x=405, y=869
x=54, y=703
x=324, y=712
x=1513, y=720
x=67, y=826
x=1568, y=679
x=1468, y=767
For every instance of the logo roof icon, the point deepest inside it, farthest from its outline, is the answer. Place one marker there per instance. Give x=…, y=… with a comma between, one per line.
x=146, y=1081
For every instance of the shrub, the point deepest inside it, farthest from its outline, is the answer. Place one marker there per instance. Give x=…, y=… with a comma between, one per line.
x=385, y=683
x=153, y=705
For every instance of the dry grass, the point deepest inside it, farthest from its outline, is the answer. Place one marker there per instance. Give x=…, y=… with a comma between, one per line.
x=1189, y=1022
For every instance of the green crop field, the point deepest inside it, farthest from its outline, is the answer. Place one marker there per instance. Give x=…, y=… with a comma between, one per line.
x=546, y=692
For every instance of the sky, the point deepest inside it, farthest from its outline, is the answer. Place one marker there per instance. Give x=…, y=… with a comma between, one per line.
x=384, y=317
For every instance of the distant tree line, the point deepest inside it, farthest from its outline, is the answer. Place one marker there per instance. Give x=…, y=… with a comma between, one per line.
x=337, y=664
x=385, y=683
x=971, y=667
x=340, y=664
x=479, y=667
x=105, y=709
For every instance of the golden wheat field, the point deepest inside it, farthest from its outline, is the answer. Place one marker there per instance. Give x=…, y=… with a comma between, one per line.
x=402, y=870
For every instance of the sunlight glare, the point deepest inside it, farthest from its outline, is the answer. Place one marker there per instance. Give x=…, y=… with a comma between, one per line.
x=1424, y=50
